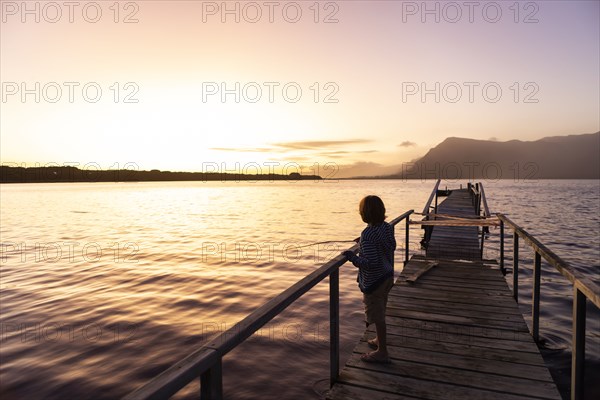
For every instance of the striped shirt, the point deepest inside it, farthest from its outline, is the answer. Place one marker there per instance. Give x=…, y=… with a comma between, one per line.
x=375, y=261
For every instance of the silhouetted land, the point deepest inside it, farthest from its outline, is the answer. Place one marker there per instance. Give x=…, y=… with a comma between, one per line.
x=557, y=157
x=73, y=174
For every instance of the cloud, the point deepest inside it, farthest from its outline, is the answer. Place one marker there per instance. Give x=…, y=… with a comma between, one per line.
x=318, y=144
x=243, y=149
x=407, y=143
x=303, y=145
x=344, y=152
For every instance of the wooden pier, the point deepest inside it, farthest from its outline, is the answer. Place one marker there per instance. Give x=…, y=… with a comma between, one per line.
x=454, y=327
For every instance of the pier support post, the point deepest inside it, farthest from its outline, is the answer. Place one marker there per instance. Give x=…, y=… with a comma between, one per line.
x=578, y=345
x=406, y=242
x=334, y=326
x=535, y=303
x=516, y=266
x=502, y=248
x=211, y=382
x=482, y=243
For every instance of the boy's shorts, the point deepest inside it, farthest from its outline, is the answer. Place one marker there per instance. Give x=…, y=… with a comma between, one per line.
x=376, y=302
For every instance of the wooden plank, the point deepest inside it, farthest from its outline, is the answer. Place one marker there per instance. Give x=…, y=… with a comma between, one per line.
x=474, y=310
x=457, y=282
x=459, y=297
x=449, y=328
x=454, y=311
x=450, y=306
x=463, y=290
x=453, y=274
x=473, y=264
x=420, y=388
x=412, y=278
x=458, y=320
x=454, y=237
x=461, y=282
x=461, y=377
x=456, y=253
x=492, y=366
x=474, y=347
x=458, y=272
x=452, y=266
x=342, y=392
x=461, y=334
x=464, y=275
x=463, y=232
x=437, y=293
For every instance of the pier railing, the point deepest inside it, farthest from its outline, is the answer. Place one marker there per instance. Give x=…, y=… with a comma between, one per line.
x=426, y=211
x=479, y=199
x=206, y=362
x=583, y=289
x=433, y=195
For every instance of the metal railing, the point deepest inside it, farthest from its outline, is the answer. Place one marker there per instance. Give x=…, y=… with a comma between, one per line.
x=206, y=362
x=583, y=288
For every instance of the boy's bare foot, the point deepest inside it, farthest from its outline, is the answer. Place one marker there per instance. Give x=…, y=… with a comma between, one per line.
x=373, y=343
x=375, y=357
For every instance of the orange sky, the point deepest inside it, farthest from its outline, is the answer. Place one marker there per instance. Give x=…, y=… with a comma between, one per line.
x=361, y=77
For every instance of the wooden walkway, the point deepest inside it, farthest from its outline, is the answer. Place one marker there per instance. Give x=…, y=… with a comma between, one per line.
x=455, y=332
x=454, y=242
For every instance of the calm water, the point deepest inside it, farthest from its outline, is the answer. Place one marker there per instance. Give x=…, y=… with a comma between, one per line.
x=105, y=285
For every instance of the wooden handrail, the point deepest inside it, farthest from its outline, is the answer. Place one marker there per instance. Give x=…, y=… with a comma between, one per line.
x=208, y=358
x=433, y=193
x=486, y=210
x=587, y=287
x=583, y=288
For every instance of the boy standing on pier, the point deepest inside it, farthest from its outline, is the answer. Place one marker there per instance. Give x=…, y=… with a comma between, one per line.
x=375, y=272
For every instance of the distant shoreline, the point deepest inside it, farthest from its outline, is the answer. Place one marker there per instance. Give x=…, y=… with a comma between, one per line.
x=73, y=174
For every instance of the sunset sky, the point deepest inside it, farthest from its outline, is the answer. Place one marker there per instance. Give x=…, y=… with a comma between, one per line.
x=322, y=82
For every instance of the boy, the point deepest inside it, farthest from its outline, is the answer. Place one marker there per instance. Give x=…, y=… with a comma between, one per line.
x=375, y=272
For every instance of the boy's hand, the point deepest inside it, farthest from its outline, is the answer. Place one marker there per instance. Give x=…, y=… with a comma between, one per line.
x=349, y=254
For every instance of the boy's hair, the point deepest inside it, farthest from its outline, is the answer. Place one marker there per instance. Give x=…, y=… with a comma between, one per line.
x=372, y=210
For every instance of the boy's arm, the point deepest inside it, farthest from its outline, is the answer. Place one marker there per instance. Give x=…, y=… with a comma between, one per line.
x=368, y=252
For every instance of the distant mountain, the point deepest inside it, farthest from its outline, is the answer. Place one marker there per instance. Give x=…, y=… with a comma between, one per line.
x=557, y=157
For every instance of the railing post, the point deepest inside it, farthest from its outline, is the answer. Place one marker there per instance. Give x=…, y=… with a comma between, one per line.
x=502, y=248
x=482, y=242
x=406, y=242
x=211, y=382
x=578, y=345
x=535, y=304
x=334, y=326
x=516, y=266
